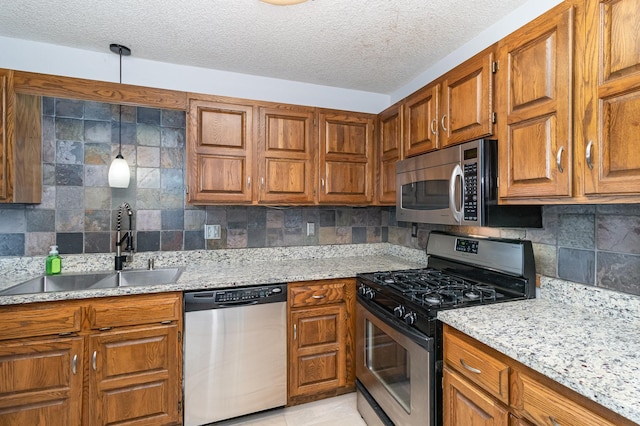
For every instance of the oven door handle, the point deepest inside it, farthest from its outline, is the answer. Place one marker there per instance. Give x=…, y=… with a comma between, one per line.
x=416, y=336
x=453, y=197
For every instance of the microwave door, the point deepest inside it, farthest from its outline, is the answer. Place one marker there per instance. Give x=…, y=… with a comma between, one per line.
x=424, y=195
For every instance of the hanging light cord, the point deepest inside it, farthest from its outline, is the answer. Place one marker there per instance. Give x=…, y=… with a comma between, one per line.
x=120, y=112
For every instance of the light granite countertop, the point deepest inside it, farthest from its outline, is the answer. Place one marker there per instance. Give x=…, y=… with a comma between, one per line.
x=223, y=268
x=585, y=338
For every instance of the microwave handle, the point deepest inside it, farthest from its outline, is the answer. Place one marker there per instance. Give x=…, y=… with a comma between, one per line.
x=455, y=174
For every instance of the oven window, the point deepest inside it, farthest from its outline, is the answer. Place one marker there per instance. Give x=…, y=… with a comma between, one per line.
x=426, y=195
x=389, y=363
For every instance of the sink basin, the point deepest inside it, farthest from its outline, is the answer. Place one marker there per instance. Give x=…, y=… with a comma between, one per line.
x=137, y=277
x=64, y=282
x=93, y=281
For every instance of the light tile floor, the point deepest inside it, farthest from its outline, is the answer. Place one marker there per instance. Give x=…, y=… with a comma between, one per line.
x=339, y=410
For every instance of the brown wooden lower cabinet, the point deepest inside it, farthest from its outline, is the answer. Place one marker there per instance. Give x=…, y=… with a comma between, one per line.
x=485, y=387
x=126, y=372
x=320, y=339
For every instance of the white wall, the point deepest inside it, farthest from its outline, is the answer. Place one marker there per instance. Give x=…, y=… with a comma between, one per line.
x=47, y=58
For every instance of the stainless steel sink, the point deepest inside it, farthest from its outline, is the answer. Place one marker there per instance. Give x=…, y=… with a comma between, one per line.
x=92, y=281
x=64, y=282
x=140, y=277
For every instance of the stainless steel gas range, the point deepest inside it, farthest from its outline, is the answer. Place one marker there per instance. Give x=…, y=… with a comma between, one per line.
x=398, y=338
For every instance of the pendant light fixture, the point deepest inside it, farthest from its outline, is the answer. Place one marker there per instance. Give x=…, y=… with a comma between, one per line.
x=119, y=174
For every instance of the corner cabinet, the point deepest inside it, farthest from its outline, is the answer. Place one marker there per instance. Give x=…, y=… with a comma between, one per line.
x=535, y=111
x=20, y=144
x=321, y=339
x=93, y=362
x=389, y=143
x=346, y=158
x=481, y=386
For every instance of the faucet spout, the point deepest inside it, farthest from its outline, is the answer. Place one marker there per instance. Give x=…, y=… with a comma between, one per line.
x=127, y=238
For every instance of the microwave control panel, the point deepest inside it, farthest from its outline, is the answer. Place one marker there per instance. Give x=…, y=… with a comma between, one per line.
x=470, y=199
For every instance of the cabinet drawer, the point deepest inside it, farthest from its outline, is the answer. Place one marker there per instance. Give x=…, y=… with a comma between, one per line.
x=317, y=294
x=134, y=310
x=36, y=319
x=481, y=368
x=544, y=406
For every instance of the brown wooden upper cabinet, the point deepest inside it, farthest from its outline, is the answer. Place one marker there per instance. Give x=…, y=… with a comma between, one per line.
x=607, y=126
x=20, y=144
x=346, y=158
x=456, y=108
x=220, y=152
x=534, y=107
x=466, y=106
x=389, y=142
x=421, y=115
x=286, y=156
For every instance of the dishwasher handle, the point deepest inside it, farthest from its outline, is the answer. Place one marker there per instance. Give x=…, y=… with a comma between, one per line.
x=226, y=298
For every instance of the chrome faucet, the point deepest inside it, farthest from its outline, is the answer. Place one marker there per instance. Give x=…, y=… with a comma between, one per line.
x=128, y=238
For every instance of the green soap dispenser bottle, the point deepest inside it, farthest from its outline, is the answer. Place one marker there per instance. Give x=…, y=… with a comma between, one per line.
x=54, y=262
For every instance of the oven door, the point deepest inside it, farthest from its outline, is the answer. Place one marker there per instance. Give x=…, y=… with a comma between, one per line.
x=395, y=365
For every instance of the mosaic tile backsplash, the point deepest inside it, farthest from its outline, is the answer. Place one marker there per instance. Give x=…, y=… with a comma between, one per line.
x=596, y=245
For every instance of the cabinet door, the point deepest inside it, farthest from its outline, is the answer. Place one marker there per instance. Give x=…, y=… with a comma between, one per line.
x=607, y=125
x=41, y=381
x=346, y=158
x=219, y=152
x=534, y=112
x=286, y=156
x=317, y=349
x=5, y=118
x=466, y=405
x=421, y=115
x=467, y=101
x=389, y=151
x=135, y=376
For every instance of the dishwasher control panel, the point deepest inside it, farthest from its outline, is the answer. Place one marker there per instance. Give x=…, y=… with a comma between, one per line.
x=237, y=296
x=252, y=293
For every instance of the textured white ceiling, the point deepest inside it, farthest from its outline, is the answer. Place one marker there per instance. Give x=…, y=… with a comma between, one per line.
x=371, y=45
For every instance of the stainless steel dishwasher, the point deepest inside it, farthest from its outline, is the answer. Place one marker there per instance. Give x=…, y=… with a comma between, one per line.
x=235, y=352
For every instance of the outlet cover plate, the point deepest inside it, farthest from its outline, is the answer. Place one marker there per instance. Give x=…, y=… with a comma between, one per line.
x=212, y=232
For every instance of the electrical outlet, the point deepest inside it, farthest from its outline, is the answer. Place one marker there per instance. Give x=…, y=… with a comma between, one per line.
x=212, y=232
x=311, y=229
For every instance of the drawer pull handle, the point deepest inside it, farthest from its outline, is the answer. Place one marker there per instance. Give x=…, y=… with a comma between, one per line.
x=319, y=296
x=553, y=421
x=74, y=364
x=94, y=360
x=468, y=367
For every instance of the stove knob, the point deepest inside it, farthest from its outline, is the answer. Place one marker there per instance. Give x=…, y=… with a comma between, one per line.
x=370, y=294
x=399, y=311
x=362, y=290
x=410, y=318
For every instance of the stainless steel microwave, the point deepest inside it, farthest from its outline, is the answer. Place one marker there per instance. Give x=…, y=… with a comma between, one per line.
x=458, y=185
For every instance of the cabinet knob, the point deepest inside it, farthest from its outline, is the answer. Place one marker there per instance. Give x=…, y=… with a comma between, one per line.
x=588, y=154
x=559, y=159
x=74, y=364
x=94, y=360
x=248, y=182
x=322, y=182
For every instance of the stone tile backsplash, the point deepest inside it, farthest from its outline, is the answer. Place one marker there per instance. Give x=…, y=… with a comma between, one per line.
x=596, y=245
